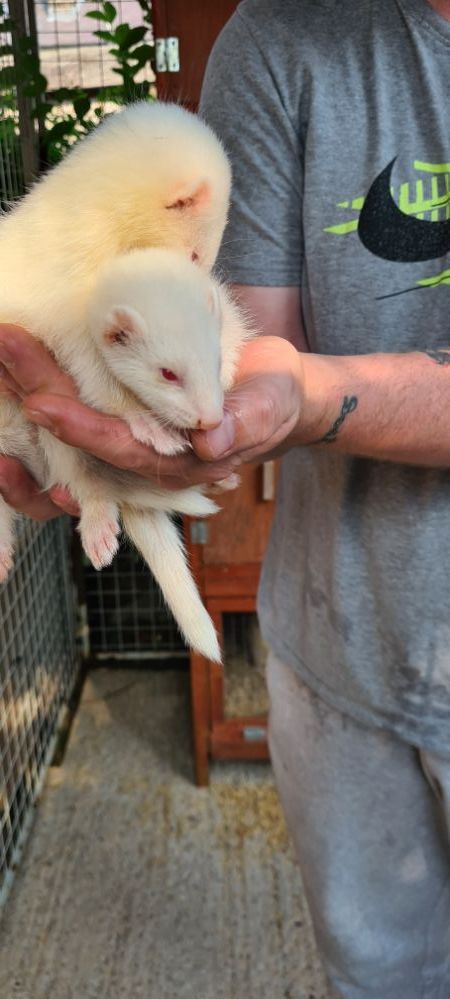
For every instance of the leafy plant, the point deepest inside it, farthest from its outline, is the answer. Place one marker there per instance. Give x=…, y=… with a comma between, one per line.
x=67, y=114
x=130, y=51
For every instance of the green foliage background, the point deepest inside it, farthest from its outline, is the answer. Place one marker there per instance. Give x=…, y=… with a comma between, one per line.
x=65, y=115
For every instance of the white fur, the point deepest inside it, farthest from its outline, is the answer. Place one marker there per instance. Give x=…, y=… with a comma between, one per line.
x=165, y=309
x=151, y=176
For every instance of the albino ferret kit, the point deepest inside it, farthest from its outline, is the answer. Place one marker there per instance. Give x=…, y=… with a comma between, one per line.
x=123, y=297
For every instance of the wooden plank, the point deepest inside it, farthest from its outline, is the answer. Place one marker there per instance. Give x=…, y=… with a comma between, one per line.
x=215, y=671
x=231, y=580
x=236, y=604
x=201, y=718
x=228, y=741
x=239, y=533
x=196, y=25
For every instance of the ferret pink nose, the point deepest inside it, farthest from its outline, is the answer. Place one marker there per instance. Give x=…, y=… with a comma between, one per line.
x=209, y=423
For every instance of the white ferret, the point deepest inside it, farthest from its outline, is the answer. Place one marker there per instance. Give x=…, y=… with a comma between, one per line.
x=158, y=348
x=152, y=176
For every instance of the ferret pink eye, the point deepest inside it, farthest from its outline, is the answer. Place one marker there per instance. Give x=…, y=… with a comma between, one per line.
x=169, y=375
x=194, y=256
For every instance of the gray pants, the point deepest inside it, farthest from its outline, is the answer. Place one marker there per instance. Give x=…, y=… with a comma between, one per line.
x=370, y=820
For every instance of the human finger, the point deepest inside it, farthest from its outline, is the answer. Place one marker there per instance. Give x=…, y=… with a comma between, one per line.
x=22, y=493
x=62, y=498
x=31, y=366
x=110, y=439
x=263, y=406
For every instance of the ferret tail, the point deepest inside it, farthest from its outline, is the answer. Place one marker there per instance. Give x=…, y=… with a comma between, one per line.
x=157, y=539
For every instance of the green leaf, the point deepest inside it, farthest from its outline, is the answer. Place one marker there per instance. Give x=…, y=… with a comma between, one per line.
x=106, y=36
x=63, y=94
x=42, y=110
x=61, y=129
x=54, y=154
x=110, y=11
x=81, y=106
x=36, y=87
x=121, y=34
x=143, y=54
x=136, y=35
x=98, y=15
x=7, y=128
x=6, y=50
x=7, y=77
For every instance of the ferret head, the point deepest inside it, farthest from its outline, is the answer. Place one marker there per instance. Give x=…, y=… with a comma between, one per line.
x=156, y=319
x=159, y=177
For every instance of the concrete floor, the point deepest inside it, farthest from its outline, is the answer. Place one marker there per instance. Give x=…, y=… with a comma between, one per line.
x=137, y=885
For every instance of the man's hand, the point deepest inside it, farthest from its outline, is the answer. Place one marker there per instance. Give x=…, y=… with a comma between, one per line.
x=263, y=408
x=261, y=412
x=22, y=360
x=23, y=494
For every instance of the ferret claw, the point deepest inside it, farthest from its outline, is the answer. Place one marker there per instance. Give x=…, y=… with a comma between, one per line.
x=232, y=481
x=100, y=543
x=101, y=551
x=174, y=445
x=147, y=430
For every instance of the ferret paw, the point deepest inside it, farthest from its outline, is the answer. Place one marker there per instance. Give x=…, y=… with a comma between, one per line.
x=101, y=546
x=226, y=485
x=6, y=561
x=170, y=443
x=100, y=541
x=147, y=430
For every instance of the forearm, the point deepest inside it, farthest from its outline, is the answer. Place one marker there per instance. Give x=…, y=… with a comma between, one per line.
x=393, y=407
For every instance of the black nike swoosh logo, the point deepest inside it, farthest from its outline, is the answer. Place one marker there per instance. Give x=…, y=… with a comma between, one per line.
x=391, y=234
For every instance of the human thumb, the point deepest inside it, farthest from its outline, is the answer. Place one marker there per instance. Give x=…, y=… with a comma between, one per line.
x=217, y=443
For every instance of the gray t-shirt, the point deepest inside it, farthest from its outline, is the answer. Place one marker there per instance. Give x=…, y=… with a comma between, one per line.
x=314, y=99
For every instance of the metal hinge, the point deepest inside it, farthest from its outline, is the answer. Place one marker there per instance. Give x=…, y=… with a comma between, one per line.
x=254, y=733
x=199, y=532
x=167, y=55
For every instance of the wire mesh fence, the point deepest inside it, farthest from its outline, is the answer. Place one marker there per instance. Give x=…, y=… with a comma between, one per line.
x=38, y=670
x=11, y=163
x=63, y=65
x=126, y=614
x=70, y=53
x=127, y=619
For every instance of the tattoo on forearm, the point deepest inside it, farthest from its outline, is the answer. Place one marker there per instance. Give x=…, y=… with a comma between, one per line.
x=440, y=356
x=348, y=406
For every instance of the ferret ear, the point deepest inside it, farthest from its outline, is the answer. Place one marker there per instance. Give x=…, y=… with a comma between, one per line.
x=187, y=197
x=123, y=326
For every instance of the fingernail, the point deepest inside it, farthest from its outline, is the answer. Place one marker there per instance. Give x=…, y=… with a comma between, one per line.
x=222, y=438
x=43, y=419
